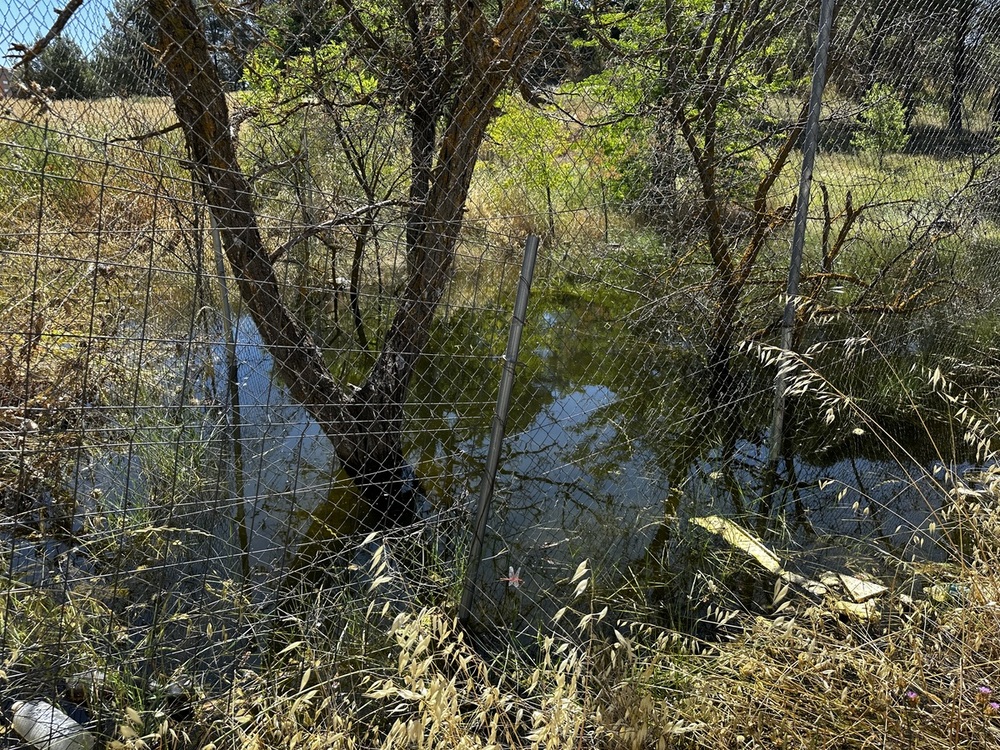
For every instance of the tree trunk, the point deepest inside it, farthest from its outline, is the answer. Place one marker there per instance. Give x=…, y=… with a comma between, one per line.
x=365, y=427
x=872, y=63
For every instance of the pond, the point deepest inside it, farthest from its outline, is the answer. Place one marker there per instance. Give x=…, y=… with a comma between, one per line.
x=610, y=448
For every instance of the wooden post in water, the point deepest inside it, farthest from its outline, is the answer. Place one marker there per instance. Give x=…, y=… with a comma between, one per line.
x=499, y=427
x=810, y=140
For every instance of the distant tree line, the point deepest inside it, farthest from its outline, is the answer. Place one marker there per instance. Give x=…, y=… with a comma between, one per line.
x=124, y=63
x=921, y=49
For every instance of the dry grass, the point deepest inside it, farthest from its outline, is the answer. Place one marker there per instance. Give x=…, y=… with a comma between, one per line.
x=111, y=118
x=92, y=232
x=919, y=677
x=920, y=674
x=340, y=674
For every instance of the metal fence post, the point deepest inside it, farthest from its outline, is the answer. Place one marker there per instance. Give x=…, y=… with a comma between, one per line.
x=498, y=427
x=229, y=327
x=810, y=141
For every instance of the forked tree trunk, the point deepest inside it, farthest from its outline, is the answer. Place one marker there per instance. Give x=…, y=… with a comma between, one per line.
x=365, y=426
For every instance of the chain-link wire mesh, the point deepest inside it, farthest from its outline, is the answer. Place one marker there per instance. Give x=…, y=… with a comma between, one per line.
x=259, y=265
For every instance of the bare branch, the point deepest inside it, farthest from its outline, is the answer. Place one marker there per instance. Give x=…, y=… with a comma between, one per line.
x=269, y=168
x=331, y=223
x=147, y=136
x=29, y=54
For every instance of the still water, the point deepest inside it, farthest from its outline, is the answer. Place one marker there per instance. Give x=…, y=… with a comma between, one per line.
x=609, y=450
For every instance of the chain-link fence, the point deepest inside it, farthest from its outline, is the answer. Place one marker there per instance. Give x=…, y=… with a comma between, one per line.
x=259, y=267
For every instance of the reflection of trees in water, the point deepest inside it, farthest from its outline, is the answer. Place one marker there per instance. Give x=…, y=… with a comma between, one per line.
x=610, y=439
x=865, y=482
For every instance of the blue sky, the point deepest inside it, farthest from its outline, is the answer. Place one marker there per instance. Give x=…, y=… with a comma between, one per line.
x=23, y=21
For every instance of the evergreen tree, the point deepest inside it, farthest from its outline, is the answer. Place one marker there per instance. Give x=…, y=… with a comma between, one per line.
x=63, y=68
x=297, y=26
x=232, y=36
x=124, y=60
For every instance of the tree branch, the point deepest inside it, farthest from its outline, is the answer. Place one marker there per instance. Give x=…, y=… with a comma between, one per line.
x=373, y=42
x=331, y=223
x=29, y=54
x=147, y=136
x=201, y=109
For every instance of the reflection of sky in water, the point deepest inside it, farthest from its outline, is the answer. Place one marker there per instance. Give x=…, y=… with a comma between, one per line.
x=287, y=458
x=286, y=465
x=888, y=501
x=574, y=488
x=555, y=474
x=569, y=491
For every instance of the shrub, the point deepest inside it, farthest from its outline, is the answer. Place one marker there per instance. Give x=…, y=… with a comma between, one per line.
x=882, y=123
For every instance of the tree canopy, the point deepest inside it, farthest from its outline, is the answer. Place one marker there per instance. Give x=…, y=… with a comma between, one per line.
x=63, y=70
x=124, y=58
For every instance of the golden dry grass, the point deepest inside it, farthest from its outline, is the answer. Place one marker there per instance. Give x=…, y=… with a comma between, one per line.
x=111, y=118
x=806, y=679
